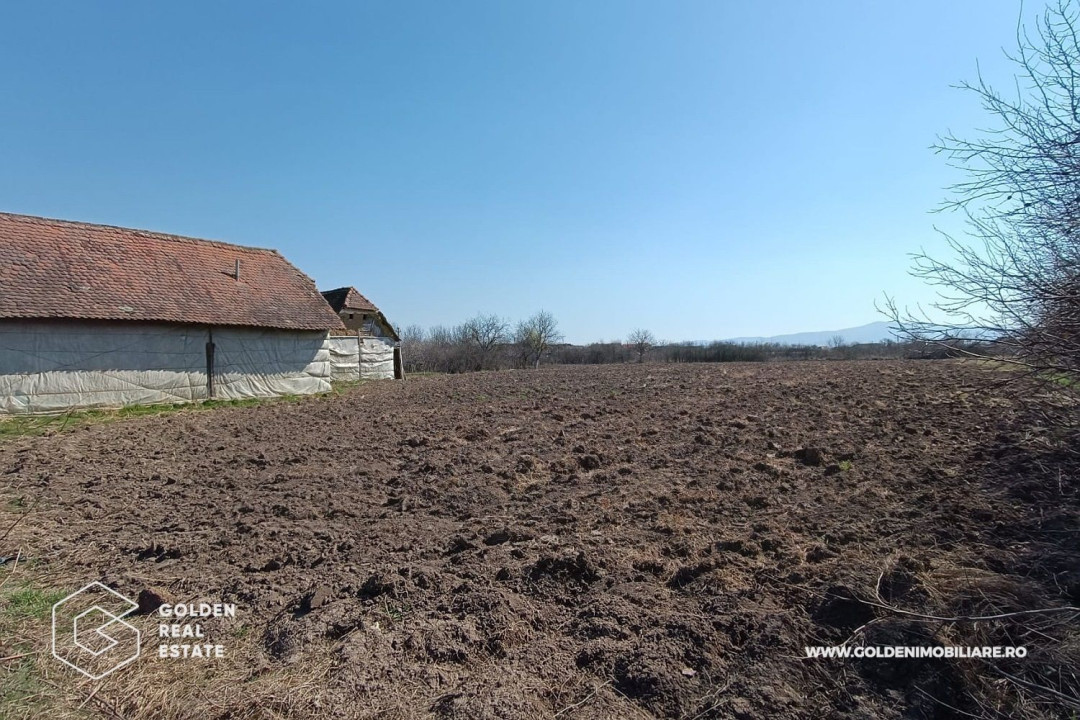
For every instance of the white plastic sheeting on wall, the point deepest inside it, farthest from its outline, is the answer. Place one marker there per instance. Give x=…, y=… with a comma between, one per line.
x=376, y=358
x=50, y=367
x=264, y=363
x=361, y=358
x=344, y=353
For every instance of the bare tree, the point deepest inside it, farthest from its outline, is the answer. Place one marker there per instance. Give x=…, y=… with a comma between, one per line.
x=522, y=344
x=534, y=336
x=440, y=335
x=413, y=347
x=641, y=340
x=485, y=333
x=1014, y=284
x=443, y=349
x=836, y=341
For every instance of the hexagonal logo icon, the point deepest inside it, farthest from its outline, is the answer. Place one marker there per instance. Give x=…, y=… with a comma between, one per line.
x=89, y=633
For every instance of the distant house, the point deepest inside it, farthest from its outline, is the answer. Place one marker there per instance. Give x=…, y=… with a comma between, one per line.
x=93, y=315
x=369, y=348
x=359, y=314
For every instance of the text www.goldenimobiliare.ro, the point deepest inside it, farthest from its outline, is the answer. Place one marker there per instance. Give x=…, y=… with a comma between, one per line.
x=913, y=652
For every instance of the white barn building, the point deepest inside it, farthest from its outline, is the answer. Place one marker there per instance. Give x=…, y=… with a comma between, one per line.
x=100, y=316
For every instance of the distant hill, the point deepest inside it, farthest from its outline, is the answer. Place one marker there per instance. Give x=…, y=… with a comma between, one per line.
x=874, y=332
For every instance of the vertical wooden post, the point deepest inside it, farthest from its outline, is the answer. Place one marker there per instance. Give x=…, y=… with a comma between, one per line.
x=210, y=363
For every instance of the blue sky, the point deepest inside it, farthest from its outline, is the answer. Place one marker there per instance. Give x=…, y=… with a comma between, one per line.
x=704, y=169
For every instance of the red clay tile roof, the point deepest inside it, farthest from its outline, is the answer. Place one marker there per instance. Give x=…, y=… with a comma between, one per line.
x=61, y=269
x=348, y=297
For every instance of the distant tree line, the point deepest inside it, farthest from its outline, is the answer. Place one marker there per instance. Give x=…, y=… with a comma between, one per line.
x=485, y=342
x=490, y=342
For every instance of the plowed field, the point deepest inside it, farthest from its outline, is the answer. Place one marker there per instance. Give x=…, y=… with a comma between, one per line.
x=586, y=542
